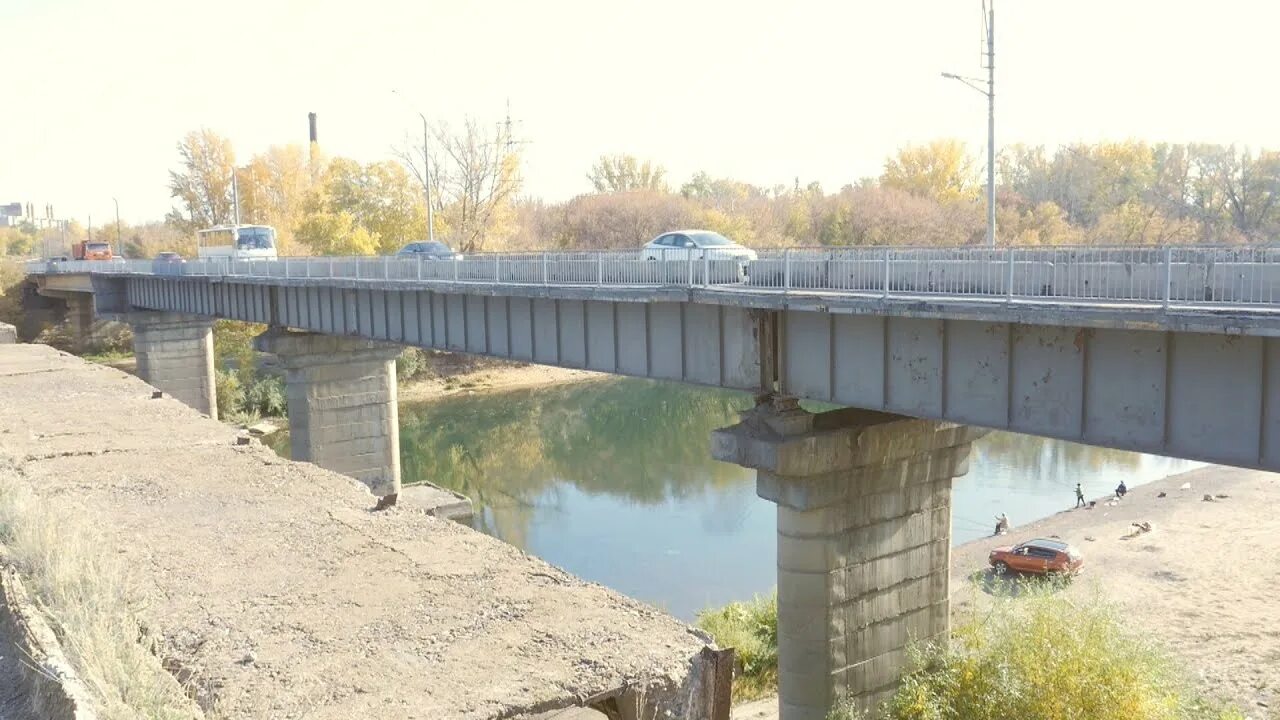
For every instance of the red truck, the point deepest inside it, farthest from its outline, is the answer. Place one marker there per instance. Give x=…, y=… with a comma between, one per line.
x=91, y=250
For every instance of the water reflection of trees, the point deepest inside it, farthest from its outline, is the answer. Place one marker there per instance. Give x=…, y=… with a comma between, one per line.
x=1036, y=462
x=644, y=441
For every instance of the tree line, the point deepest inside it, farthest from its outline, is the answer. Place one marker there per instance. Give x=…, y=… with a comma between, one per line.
x=1114, y=193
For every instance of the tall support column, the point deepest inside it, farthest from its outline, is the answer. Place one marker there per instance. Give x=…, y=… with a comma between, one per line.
x=342, y=405
x=175, y=354
x=864, y=542
x=80, y=319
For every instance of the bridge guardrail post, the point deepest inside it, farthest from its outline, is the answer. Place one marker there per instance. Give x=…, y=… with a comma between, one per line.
x=688, y=258
x=386, y=267
x=497, y=269
x=1168, y=275
x=786, y=271
x=1008, y=275
x=286, y=268
x=456, y=263
x=419, y=261
x=706, y=268
x=600, y=269
x=887, y=266
x=544, y=268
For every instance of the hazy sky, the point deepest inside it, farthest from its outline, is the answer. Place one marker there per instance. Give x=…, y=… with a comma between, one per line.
x=96, y=93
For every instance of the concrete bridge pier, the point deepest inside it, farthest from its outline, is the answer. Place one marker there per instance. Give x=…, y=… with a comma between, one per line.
x=175, y=354
x=84, y=326
x=342, y=405
x=864, y=542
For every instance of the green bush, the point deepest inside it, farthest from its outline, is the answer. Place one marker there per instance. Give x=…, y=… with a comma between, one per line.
x=411, y=363
x=751, y=629
x=1045, y=657
x=229, y=392
x=265, y=396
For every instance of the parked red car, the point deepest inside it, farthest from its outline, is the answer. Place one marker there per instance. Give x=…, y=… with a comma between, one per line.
x=1041, y=555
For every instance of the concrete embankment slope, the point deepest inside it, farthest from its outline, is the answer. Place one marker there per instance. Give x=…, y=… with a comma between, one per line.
x=276, y=592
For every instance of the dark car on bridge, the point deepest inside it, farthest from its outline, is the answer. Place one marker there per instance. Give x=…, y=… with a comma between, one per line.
x=1041, y=556
x=167, y=262
x=428, y=250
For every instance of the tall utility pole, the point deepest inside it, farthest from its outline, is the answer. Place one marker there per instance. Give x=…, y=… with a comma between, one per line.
x=119, y=246
x=426, y=172
x=991, y=121
x=235, y=196
x=989, y=38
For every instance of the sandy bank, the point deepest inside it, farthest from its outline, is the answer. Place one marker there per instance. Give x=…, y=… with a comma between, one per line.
x=1205, y=580
x=492, y=377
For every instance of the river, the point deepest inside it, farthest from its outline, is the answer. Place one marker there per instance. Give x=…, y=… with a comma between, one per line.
x=613, y=480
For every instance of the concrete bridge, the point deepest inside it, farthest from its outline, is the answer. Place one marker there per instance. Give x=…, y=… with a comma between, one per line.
x=1163, y=350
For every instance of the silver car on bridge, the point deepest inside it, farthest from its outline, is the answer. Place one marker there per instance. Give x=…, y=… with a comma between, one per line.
x=703, y=243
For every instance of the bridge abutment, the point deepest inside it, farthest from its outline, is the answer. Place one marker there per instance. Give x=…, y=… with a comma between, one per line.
x=342, y=405
x=175, y=354
x=864, y=542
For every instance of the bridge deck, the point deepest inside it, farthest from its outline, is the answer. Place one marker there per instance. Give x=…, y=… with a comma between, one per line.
x=345, y=612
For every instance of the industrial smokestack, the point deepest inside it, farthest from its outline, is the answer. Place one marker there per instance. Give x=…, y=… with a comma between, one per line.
x=311, y=119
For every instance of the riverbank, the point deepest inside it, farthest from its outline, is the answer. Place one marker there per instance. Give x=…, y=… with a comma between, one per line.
x=487, y=377
x=1201, y=581
x=447, y=375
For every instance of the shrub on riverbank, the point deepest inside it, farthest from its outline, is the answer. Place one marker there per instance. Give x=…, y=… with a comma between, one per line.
x=751, y=629
x=1045, y=657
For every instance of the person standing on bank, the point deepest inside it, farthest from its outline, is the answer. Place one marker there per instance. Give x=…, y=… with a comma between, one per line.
x=1079, y=496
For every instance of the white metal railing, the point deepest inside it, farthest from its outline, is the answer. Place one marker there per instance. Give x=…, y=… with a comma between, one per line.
x=1150, y=275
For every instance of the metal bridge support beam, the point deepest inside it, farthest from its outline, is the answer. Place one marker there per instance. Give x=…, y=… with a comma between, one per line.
x=175, y=354
x=342, y=405
x=864, y=542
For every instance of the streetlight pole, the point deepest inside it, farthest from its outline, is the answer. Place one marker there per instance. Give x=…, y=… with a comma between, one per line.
x=119, y=245
x=990, y=92
x=426, y=174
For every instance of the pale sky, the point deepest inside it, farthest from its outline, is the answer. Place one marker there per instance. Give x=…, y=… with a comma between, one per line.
x=96, y=93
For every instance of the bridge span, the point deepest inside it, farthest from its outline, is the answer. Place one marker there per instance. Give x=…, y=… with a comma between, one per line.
x=1163, y=350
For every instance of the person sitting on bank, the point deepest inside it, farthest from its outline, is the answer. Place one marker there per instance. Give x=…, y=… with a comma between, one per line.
x=1121, y=490
x=1002, y=524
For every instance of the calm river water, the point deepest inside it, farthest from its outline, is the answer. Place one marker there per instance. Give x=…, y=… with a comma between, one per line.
x=614, y=482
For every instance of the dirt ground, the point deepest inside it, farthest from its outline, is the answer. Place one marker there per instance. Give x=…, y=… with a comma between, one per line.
x=274, y=586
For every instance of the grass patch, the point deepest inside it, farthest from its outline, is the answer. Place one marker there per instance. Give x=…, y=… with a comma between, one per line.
x=83, y=593
x=751, y=629
x=1042, y=656
x=109, y=357
x=1037, y=655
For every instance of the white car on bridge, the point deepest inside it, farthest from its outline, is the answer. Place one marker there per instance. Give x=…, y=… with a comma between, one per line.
x=673, y=245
